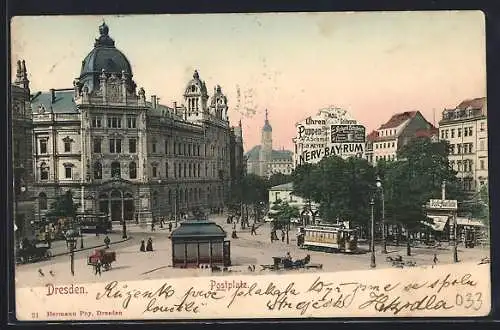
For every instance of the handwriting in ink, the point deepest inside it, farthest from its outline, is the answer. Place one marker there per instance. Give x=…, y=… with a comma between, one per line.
x=383, y=303
x=270, y=290
x=112, y=291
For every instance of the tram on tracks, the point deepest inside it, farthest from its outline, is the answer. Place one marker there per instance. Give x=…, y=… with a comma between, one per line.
x=328, y=238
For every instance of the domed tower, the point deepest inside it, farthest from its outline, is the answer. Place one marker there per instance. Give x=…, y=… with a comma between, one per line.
x=266, y=148
x=196, y=97
x=104, y=61
x=218, y=104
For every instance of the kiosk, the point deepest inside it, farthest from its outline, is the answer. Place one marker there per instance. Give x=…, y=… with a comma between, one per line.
x=200, y=242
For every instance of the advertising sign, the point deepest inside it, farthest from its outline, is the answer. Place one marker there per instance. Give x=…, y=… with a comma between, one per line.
x=347, y=133
x=443, y=204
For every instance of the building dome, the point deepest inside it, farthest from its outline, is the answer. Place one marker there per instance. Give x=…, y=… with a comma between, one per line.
x=104, y=57
x=196, y=86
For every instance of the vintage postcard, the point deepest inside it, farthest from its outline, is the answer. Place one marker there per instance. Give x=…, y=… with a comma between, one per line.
x=248, y=166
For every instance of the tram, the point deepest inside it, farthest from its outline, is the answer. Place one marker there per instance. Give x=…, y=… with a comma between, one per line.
x=328, y=238
x=94, y=222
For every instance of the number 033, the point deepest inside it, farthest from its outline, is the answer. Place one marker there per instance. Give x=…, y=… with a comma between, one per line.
x=34, y=315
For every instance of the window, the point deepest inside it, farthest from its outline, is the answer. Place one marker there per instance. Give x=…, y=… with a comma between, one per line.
x=115, y=170
x=42, y=201
x=153, y=170
x=96, y=121
x=470, y=131
x=185, y=169
x=166, y=146
x=459, y=148
x=466, y=131
x=132, y=170
x=198, y=150
x=131, y=122
x=115, y=146
x=481, y=145
x=184, y=149
x=44, y=172
x=481, y=164
x=393, y=144
x=452, y=149
x=199, y=169
x=442, y=134
x=175, y=148
x=132, y=147
x=446, y=133
x=459, y=165
x=97, y=170
x=459, y=132
x=97, y=145
x=166, y=169
x=153, y=147
x=114, y=122
x=482, y=127
x=452, y=164
x=67, y=172
x=190, y=170
x=43, y=146
x=67, y=146
x=452, y=133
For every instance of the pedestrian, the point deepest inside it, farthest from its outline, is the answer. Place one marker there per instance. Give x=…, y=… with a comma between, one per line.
x=107, y=241
x=272, y=236
x=152, y=225
x=149, y=246
x=98, y=267
x=435, y=259
x=142, y=248
x=169, y=226
x=253, y=232
x=282, y=235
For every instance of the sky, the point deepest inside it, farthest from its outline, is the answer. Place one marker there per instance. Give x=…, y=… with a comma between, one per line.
x=371, y=64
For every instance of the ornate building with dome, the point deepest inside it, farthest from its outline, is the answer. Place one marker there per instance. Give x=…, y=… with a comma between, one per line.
x=127, y=155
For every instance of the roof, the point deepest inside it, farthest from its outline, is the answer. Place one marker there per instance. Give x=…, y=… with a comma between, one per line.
x=372, y=136
x=427, y=132
x=198, y=229
x=254, y=153
x=398, y=119
x=477, y=103
x=284, y=186
x=63, y=103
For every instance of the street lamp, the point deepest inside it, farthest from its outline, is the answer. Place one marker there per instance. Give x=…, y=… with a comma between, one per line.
x=372, y=242
x=124, y=229
x=381, y=189
x=71, y=243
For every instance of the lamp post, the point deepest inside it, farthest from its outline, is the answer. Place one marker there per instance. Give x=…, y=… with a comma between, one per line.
x=124, y=229
x=372, y=238
x=71, y=242
x=381, y=189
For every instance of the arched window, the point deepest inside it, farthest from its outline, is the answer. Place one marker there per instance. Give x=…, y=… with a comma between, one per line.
x=181, y=196
x=97, y=170
x=185, y=169
x=115, y=170
x=166, y=169
x=44, y=171
x=186, y=196
x=193, y=88
x=170, y=197
x=190, y=170
x=132, y=170
x=199, y=193
x=42, y=201
x=116, y=194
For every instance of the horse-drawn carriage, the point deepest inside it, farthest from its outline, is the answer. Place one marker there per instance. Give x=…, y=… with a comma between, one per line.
x=105, y=258
x=288, y=263
x=32, y=253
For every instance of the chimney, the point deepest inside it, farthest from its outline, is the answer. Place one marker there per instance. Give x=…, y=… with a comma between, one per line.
x=153, y=101
x=53, y=95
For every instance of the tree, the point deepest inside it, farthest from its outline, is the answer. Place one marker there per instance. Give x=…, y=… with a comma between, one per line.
x=279, y=178
x=342, y=187
x=282, y=215
x=415, y=178
x=64, y=206
x=251, y=190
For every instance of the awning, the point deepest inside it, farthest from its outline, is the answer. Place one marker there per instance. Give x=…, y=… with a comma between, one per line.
x=439, y=222
x=469, y=222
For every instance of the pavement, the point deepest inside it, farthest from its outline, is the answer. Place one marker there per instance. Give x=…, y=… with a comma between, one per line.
x=131, y=264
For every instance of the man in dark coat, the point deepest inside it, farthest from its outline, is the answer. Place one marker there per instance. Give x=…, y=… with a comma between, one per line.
x=107, y=241
x=170, y=226
x=149, y=245
x=142, y=248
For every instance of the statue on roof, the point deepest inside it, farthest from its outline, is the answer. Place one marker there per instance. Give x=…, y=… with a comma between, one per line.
x=104, y=39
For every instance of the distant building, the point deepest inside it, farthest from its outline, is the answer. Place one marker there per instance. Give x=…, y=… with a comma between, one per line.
x=465, y=128
x=332, y=131
x=262, y=160
x=390, y=137
x=284, y=192
x=22, y=156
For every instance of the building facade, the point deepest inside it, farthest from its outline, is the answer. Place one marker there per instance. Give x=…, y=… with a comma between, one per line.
x=262, y=160
x=22, y=157
x=332, y=131
x=308, y=209
x=466, y=129
x=127, y=156
x=384, y=143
